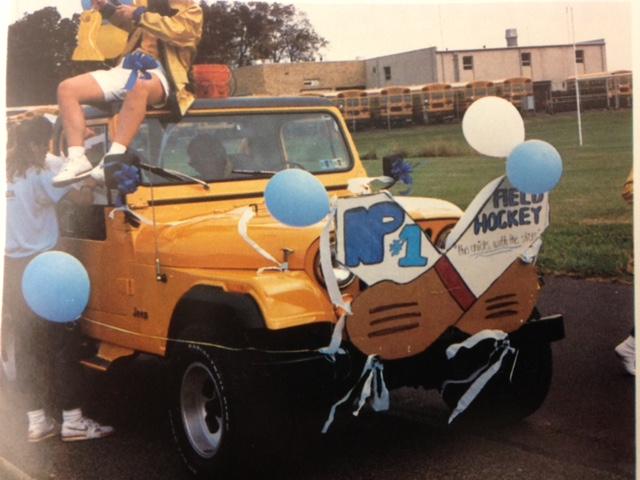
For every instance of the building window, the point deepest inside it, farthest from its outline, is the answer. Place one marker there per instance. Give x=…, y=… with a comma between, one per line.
x=467, y=63
x=311, y=83
x=579, y=56
x=387, y=73
x=525, y=59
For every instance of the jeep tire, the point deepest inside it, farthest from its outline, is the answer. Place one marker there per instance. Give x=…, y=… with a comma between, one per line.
x=203, y=412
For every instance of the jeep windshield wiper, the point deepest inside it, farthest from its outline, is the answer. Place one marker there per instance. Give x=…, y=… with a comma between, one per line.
x=269, y=173
x=173, y=174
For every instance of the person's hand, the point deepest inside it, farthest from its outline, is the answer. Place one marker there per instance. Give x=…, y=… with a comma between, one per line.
x=124, y=13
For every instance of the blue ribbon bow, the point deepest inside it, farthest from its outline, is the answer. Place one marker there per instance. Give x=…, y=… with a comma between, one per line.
x=126, y=177
x=402, y=171
x=138, y=63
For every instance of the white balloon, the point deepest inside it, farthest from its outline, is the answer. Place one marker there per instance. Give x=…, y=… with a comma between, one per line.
x=493, y=126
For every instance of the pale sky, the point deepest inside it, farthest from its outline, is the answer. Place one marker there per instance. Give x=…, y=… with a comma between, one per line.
x=358, y=29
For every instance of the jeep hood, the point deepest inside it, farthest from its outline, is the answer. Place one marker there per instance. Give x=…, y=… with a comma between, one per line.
x=215, y=241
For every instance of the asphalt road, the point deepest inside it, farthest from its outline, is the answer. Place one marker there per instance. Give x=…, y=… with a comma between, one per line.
x=585, y=429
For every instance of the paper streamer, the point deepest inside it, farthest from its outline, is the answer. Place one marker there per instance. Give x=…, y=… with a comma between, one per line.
x=373, y=385
x=336, y=340
x=243, y=227
x=481, y=376
x=326, y=265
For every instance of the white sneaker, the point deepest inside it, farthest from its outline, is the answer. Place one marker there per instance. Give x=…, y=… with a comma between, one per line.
x=84, y=429
x=626, y=351
x=41, y=430
x=97, y=173
x=73, y=170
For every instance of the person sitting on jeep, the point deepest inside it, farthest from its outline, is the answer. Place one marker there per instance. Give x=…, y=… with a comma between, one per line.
x=208, y=157
x=153, y=72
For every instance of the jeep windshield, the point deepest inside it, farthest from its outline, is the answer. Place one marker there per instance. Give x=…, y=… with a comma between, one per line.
x=241, y=146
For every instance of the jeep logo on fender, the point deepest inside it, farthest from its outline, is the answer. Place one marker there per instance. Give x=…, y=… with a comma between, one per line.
x=140, y=314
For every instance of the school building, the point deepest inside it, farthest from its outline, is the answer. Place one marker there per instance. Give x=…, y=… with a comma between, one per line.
x=548, y=64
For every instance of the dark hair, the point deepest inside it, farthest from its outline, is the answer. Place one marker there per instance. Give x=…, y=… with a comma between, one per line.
x=36, y=131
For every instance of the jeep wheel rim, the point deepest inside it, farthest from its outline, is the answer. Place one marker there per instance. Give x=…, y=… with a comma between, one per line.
x=202, y=409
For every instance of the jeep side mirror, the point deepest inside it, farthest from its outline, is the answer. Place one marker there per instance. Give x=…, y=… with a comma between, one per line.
x=389, y=162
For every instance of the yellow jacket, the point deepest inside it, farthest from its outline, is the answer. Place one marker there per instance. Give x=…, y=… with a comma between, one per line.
x=178, y=38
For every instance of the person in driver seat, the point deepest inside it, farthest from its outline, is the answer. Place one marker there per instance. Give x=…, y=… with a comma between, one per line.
x=208, y=157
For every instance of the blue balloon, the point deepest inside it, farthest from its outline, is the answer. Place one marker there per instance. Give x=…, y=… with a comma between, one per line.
x=534, y=166
x=296, y=198
x=56, y=286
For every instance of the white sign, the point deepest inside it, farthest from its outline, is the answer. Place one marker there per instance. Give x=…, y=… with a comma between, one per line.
x=377, y=240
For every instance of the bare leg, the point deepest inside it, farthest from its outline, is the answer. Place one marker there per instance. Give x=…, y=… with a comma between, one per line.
x=145, y=92
x=72, y=92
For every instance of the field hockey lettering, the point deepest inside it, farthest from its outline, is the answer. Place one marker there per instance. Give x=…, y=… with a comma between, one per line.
x=512, y=209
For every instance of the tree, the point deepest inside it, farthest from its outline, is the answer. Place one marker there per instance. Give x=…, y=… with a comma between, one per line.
x=39, y=52
x=40, y=44
x=240, y=34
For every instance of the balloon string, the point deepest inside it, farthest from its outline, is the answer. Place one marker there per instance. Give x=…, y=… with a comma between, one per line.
x=197, y=342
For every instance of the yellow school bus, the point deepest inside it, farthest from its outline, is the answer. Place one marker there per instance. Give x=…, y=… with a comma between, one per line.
x=514, y=90
x=432, y=102
x=391, y=105
x=465, y=93
x=355, y=107
x=621, y=88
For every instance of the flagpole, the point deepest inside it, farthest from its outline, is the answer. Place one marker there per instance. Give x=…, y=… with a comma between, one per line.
x=575, y=69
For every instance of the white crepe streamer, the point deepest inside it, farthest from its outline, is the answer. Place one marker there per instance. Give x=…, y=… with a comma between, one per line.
x=330, y=281
x=243, y=225
x=481, y=376
x=125, y=209
x=336, y=339
x=374, y=383
x=326, y=266
x=472, y=341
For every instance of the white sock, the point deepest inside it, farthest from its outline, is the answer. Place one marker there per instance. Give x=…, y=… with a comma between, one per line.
x=71, y=415
x=75, y=152
x=36, y=416
x=117, y=148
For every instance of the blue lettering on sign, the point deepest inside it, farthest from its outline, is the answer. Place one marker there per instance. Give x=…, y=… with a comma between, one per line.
x=518, y=209
x=412, y=236
x=503, y=219
x=365, y=229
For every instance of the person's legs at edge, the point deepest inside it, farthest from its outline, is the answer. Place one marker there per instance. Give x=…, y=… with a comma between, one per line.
x=70, y=388
x=626, y=351
x=72, y=93
x=143, y=94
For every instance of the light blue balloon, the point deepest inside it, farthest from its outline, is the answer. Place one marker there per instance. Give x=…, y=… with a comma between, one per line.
x=534, y=167
x=296, y=198
x=56, y=286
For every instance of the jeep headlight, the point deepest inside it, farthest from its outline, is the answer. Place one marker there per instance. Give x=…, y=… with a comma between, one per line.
x=344, y=277
x=441, y=241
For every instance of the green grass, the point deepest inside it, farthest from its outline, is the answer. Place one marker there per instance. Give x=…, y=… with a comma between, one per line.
x=590, y=233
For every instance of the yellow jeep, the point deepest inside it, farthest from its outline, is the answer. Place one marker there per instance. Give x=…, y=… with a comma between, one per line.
x=240, y=315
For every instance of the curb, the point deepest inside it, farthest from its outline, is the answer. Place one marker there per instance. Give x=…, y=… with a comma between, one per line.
x=9, y=471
